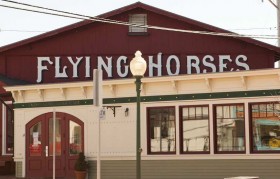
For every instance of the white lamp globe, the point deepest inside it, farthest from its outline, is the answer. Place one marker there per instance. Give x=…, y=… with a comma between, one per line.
x=138, y=65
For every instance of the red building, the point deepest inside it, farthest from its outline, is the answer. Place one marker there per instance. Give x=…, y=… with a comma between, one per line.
x=61, y=57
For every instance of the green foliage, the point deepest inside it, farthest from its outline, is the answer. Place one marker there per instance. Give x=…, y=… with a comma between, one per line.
x=81, y=164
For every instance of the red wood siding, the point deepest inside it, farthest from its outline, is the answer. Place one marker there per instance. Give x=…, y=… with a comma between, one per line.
x=100, y=39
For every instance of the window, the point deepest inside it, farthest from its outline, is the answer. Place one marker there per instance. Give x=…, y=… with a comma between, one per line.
x=229, y=128
x=140, y=19
x=7, y=128
x=35, y=145
x=161, y=130
x=57, y=133
x=265, y=127
x=75, y=139
x=194, y=129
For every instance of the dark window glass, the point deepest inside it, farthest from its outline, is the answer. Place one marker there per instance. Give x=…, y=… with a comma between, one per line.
x=10, y=130
x=229, y=125
x=162, y=130
x=195, y=129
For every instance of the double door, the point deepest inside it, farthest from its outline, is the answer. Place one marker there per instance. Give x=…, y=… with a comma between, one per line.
x=43, y=142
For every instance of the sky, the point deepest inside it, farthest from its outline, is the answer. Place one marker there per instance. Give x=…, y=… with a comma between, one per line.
x=256, y=17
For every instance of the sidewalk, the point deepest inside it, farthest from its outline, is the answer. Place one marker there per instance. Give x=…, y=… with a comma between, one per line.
x=7, y=177
x=13, y=177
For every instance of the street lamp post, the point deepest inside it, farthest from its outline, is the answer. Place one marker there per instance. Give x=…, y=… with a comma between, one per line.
x=138, y=67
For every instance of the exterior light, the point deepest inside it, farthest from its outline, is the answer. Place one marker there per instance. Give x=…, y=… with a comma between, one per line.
x=126, y=112
x=138, y=67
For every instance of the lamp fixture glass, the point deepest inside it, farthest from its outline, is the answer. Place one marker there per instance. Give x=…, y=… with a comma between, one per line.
x=138, y=65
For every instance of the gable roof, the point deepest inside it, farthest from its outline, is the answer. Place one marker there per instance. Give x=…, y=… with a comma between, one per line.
x=148, y=8
x=11, y=81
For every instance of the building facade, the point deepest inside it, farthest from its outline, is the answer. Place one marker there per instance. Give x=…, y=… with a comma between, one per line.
x=209, y=104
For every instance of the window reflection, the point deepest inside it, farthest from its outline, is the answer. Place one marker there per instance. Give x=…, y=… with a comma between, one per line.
x=162, y=129
x=266, y=127
x=35, y=147
x=57, y=137
x=75, y=139
x=195, y=121
x=230, y=128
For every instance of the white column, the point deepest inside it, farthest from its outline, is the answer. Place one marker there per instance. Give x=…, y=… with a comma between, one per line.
x=211, y=129
x=247, y=127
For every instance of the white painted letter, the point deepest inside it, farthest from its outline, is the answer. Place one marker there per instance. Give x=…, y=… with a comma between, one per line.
x=244, y=65
x=87, y=67
x=40, y=67
x=223, y=65
x=75, y=65
x=154, y=65
x=57, y=68
x=102, y=64
x=190, y=64
x=119, y=61
x=168, y=66
x=208, y=64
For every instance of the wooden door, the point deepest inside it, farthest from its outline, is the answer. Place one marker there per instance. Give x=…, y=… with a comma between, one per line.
x=39, y=140
x=35, y=147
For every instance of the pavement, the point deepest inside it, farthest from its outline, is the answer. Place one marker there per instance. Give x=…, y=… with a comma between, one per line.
x=13, y=177
x=7, y=177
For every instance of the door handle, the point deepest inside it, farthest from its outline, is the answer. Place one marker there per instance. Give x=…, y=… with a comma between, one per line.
x=47, y=151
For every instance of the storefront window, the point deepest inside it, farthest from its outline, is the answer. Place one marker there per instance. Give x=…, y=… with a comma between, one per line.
x=194, y=129
x=75, y=139
x=161, y=132
x=265, y=123
x=35, y=147
x=229, y=128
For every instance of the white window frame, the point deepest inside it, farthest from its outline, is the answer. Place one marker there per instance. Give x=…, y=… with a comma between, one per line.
x=4, y=130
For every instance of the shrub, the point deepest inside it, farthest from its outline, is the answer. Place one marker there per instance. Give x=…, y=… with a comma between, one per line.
x=81, y=163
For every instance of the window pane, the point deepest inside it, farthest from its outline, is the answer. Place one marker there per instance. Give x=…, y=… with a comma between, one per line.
x=255, y=111
x=226, y=112
x=262, y=110
x=162, y=129
x=191, y=113
x=233, y=111
x=270, y=110
x=219, y=111
x=57, y=137
x=266, y=129
x=277, y=109
x=10, y=131
x=75, y=139
x=35, y=148
x=196, y=130
x=230, y=129
x=240, y=111
x=185, y=113
x=205, y=112
x=198, y=112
